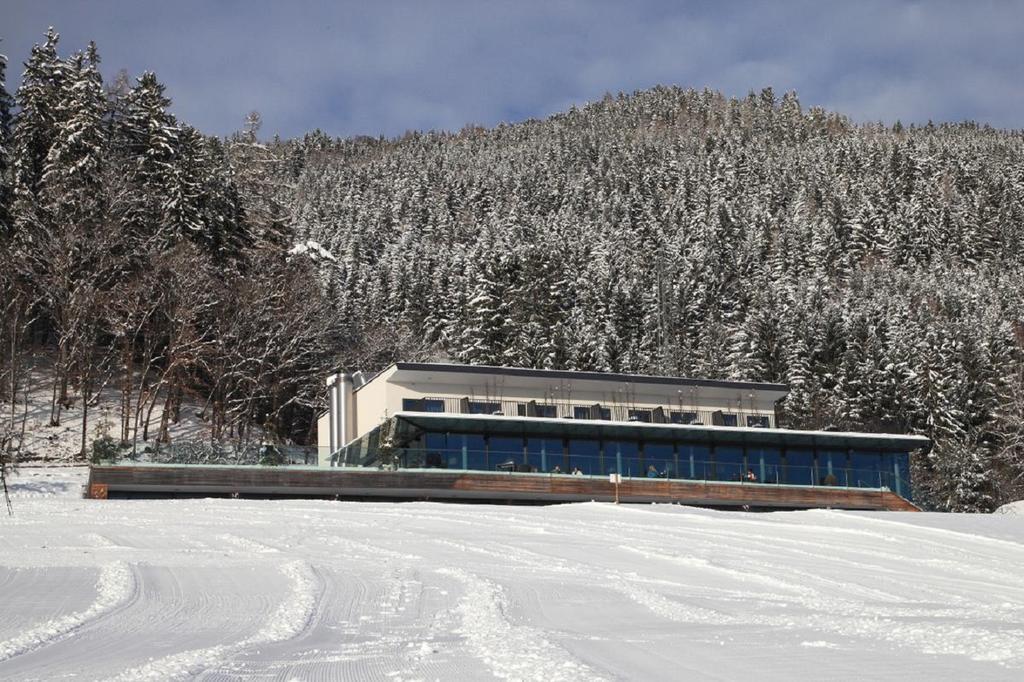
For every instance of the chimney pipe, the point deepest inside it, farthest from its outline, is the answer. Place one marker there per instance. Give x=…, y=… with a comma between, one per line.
x=346, y=415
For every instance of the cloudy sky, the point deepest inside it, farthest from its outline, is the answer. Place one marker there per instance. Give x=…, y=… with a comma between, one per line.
x=383, y=67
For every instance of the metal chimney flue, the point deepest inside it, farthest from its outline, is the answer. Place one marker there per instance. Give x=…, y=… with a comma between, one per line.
x=342, y=410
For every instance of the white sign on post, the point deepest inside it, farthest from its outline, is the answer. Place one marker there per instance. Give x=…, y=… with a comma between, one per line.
x=615, y=478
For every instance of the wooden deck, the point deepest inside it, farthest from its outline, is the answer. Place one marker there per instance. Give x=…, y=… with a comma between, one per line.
x=346, y=483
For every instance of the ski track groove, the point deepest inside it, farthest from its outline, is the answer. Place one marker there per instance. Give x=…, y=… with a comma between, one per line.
x=115, y=587
x=825, y=613
x=515, y=652
x=287, y=621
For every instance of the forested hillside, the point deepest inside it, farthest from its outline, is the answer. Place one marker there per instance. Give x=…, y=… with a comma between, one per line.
x=875, y=269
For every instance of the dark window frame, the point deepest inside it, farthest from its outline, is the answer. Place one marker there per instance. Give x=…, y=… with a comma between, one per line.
x=422, y=405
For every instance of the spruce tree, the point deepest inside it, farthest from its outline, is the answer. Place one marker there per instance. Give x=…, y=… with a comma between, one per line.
x=151, y=212
x=6, y=190
x=34, y=132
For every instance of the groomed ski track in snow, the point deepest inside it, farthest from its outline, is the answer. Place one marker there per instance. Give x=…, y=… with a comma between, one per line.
x=317, y=590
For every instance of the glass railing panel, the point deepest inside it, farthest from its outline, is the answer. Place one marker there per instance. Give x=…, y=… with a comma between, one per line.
x=209, y=453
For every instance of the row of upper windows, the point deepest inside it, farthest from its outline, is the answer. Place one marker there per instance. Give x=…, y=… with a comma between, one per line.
x=583, y=412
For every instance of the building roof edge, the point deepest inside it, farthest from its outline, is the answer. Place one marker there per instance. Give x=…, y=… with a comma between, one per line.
x=588, y=376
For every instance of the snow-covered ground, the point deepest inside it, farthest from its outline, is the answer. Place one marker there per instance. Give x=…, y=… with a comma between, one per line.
x=46, y=443
x=1012, y=508
x=316, y=590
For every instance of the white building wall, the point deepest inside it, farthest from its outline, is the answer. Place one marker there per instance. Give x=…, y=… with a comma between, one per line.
x=383, y=395
x=375, y=402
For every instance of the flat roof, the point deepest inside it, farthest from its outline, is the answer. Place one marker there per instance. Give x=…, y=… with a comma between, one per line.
x=725, y=435
x=584, y=376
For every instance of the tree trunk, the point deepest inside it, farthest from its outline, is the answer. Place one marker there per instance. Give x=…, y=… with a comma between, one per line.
x=149, y=413
x=85, y=412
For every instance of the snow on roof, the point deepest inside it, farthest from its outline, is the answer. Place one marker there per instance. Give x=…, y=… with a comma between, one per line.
x=587, y=375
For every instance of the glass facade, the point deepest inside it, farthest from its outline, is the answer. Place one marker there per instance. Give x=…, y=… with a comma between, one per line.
x=765, y=462
x=506, y=454
x=865, y=469
x=677, y=417
x=623, y=457
x=901, y=473
x=473, y=451
x=677, y=459
x=695, y=460
x=661, y=456
x=729, y=464
x=585, y=455
x=545, y=454
x=832, y=467
x=799, y=467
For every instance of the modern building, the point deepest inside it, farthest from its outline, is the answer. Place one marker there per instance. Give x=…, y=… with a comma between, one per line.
x=425, y=417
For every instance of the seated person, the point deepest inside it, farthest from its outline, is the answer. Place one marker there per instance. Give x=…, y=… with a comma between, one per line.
x=751, y=476
x=652, y=472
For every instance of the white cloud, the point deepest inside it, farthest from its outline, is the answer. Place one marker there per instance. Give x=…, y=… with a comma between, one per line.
x=372, y=68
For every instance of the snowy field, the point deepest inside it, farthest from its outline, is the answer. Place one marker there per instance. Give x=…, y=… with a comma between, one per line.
x=316, y=590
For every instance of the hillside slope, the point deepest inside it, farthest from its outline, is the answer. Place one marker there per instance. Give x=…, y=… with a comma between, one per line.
x=875, y=269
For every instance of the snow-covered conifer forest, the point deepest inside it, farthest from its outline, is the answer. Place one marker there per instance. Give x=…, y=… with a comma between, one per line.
x=876, y=269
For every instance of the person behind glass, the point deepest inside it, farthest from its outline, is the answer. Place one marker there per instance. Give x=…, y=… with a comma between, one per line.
x=751, y=476
x=652, y=472
x=576, y=471
x=556, y=470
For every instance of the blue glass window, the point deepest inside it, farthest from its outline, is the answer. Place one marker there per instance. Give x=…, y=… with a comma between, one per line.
x=662, y=457
x=729, y=420
x=766, y=463
x=694, y=461
x=435, y=446
x=506, y=453
x=865, y=469
x=901, y=475
x=682, y=417
x=478, y=407
x=545, y=454
x=622, y=457
x=800, y=467
x=640, y=416
x=833, y=468
x=585, y=455
x=729, y=465
x=422, y=405
x=549, y=411
x=473, y=452
x=758, y=421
